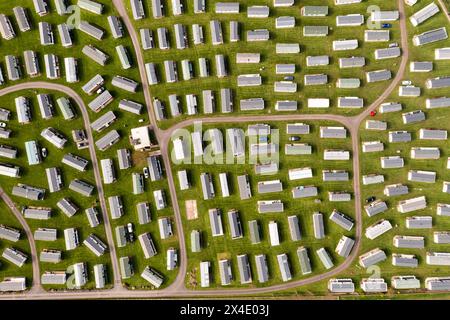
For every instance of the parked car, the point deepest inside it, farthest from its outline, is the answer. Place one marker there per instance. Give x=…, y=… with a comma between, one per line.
x=146, y=173
x=289, y=78
x=371, y=199
x=386, y=25
x=2, y=124
x=406, y=82
x=130, y=232
x=44, y=152
x=294, y=138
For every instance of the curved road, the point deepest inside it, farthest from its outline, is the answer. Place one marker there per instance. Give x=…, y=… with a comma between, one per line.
x=178, y=289
x=444, y=9
x=36, y=284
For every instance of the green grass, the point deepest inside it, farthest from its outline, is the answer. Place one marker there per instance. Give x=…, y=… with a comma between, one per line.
x=35, y=176
x=126, y=121
x=370, y=163
x=8, y=269
x=309, y=46
x=224, y=247
x=433, y=192
x=123, y=187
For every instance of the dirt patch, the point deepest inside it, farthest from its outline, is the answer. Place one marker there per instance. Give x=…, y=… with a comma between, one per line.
x=191, y=209
x=192, y=278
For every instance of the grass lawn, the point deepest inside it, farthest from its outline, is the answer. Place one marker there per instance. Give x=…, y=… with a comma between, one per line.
x=218, y=248
x=309, y=46
x=126, y=121
x=123, y=187
x=35, y=176
x=7, y=269
x=370, y=163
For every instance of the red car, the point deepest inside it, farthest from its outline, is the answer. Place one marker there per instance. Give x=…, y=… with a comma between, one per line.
x=373, y=113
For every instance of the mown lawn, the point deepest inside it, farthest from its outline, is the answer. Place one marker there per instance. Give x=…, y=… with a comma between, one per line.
x=7, y=269
x=36, y=176
x=218, y=248
x=225, y=247
x=126, y=121
x=370, y=163
x=309, y=46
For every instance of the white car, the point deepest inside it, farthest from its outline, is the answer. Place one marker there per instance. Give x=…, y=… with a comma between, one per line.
x=130, y=227
x=130, y=232
x=146, y=173
x=2, y=124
